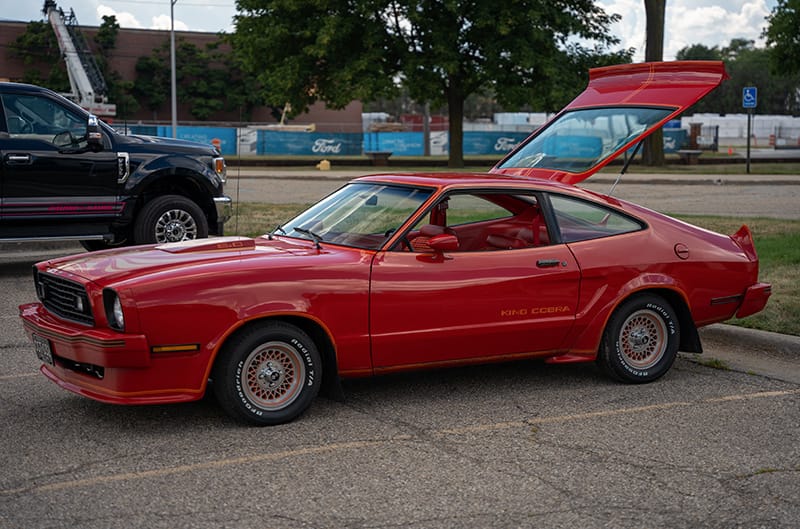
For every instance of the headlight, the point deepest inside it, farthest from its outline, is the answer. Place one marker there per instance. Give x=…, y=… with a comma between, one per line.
x=220, y=168
x=114, y=313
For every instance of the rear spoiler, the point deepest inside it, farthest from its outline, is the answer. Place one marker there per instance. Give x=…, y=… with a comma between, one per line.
x=744, y=239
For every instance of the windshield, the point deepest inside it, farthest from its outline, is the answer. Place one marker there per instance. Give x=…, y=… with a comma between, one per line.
x=363, y=215
x=580, y=139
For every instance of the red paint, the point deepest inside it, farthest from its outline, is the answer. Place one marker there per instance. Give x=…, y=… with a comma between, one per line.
x=388, y=309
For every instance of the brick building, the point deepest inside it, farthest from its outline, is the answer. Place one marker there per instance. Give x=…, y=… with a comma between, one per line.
x=131, y=44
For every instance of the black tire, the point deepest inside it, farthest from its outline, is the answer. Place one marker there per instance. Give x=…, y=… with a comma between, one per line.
x=641, y=340
x=170, y=218
x=94, y=246
x=268, y=374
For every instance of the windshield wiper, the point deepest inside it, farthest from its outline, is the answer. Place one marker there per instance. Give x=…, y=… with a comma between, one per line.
x=316, y=237
x=277, y=229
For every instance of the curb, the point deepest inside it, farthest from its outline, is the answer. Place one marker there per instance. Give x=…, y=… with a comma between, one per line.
x=783, y=344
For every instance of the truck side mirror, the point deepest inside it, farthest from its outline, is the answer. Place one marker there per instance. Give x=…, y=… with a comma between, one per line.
x=93, y=135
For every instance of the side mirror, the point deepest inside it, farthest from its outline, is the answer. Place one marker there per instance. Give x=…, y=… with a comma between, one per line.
x=93, y=135
x=443, y=243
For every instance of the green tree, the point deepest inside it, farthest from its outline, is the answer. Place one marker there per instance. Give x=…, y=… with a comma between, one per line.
x=152, y=84
x=39, y=51
x=783, y=37
x=119, y=91
x=747, y=65
x=699, y=52
x=208, y=80
x=441, y=52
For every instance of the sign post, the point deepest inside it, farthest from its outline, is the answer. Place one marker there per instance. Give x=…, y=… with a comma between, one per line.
x=749, y=101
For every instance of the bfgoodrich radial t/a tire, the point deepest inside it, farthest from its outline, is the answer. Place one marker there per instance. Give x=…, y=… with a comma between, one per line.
x=269, y=374
x=641, y=340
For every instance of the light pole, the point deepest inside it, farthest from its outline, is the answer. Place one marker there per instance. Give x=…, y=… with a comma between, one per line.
x=172, y=68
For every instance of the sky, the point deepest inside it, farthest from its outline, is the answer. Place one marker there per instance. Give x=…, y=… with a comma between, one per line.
x=708, y=22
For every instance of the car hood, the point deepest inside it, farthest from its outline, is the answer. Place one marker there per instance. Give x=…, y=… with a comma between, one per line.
x=169, y=145
x=665, y=89
x=114, y=266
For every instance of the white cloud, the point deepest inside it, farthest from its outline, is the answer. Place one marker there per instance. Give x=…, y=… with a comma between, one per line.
x=124, y=19
x=163, y=22
x=690, y=22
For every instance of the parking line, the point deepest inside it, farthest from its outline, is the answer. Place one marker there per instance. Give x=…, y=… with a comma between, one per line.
x=21, y=375
x=336, y=447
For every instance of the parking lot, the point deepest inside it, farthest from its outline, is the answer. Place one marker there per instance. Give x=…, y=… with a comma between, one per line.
x=512, y=445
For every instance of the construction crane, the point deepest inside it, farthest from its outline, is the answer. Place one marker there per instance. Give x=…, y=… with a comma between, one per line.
x=88, y=86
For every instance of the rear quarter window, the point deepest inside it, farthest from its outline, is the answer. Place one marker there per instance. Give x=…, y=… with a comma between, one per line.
x=579, y=220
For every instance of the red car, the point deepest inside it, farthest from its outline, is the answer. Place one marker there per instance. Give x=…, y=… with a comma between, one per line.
x=407, y=271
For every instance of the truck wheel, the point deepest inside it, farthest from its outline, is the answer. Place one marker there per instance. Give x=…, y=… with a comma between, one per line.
x=94, y=246
x=171, y=218
x=641, y=340
x=267, y=375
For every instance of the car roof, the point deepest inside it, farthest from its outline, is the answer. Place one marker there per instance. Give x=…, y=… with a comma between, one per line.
x=461, y=180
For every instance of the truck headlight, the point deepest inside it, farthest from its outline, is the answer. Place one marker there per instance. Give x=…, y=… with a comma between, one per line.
x=114, y=312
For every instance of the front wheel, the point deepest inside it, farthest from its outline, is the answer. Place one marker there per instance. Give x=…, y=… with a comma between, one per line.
x=171, y=218
x=641, y=340
x=269, y=374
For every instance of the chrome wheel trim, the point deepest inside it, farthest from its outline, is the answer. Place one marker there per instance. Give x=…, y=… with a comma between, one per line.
x=643, y=339
x=272, y=376
x=175, y=225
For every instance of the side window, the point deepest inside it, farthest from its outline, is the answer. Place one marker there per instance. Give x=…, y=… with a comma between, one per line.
x=33, y=117
x=483, y=222
x=579, y=220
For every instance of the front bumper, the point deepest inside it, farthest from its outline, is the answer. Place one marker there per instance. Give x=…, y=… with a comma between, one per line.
x=224, y=208
x=108, y=366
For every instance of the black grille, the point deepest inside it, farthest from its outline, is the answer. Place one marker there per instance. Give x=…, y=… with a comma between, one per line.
x=64, y=298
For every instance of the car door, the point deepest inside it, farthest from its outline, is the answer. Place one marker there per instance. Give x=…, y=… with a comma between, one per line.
x=433, y=307
x=52, y=183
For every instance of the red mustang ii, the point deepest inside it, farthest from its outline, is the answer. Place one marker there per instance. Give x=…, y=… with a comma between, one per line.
x=399, y=271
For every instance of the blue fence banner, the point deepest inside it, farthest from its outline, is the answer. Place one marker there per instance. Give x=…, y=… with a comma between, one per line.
x=308, y=143
x=398, y=143
x=278, y=142
x=223, y=138
x=674, y=139
x=500, y=143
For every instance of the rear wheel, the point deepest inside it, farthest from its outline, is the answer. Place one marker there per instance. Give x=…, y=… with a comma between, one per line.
x=269, y=374
x=171, y=218
x=641, y=340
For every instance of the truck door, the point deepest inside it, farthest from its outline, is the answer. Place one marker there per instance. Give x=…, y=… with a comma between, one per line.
x=52, y=184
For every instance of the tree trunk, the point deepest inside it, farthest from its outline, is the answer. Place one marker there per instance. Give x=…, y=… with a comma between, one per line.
x=654, y=52
x=455, y=111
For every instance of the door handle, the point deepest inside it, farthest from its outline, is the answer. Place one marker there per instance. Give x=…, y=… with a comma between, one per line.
x=18, y=159
x=548, y=263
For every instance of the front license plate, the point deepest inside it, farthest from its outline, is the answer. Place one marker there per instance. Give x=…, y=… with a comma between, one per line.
x=43, y=350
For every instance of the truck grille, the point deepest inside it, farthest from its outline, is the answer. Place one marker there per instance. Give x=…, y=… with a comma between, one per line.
x=64, y=298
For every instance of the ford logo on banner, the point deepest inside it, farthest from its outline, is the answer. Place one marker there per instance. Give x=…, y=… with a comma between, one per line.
x=327, y=146
x=504, y=144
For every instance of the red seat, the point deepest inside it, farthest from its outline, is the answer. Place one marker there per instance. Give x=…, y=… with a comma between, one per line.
x=505, y=243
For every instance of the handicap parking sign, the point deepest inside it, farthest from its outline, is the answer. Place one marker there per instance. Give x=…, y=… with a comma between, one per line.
x=749, y=97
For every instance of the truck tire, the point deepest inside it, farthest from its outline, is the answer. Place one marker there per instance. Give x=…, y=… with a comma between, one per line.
x=171, y=218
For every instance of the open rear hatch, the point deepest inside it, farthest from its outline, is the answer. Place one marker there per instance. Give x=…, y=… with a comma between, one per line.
x=621, y=106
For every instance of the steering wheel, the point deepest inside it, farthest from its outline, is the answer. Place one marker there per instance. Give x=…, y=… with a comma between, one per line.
x=22, y=125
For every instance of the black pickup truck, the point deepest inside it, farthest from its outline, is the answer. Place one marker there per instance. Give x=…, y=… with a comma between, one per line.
x=65, y=175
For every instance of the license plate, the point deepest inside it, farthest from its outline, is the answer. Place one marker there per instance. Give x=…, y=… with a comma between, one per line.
x=43, y=350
